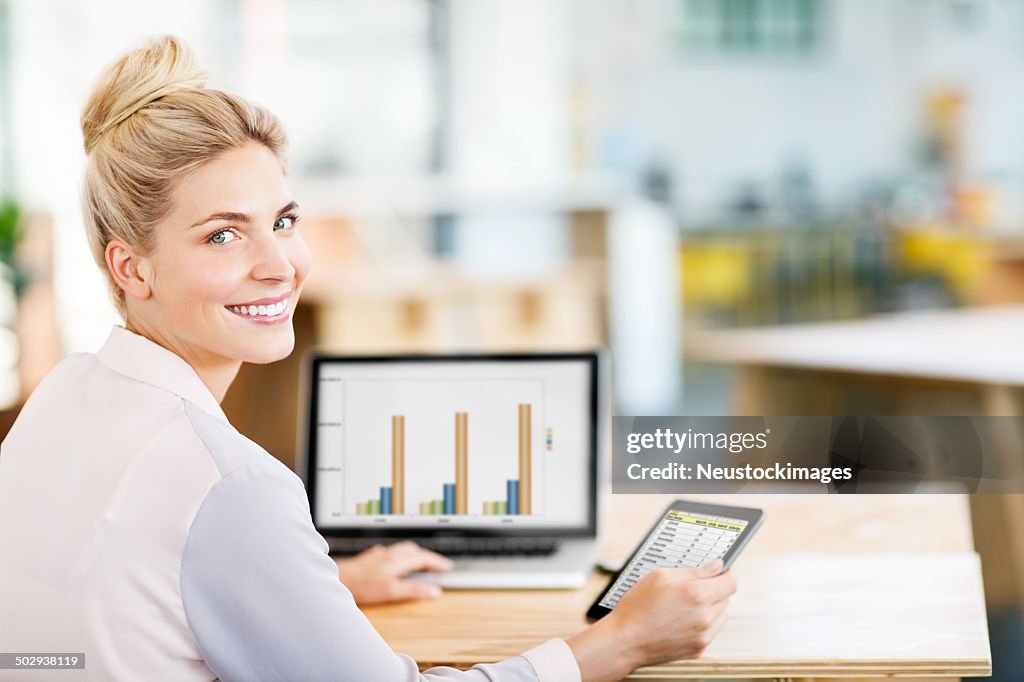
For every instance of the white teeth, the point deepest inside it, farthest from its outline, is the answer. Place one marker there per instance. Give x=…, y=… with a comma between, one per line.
x=264, y=310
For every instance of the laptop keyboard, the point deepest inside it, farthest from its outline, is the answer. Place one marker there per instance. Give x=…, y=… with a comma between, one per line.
x=457, y=547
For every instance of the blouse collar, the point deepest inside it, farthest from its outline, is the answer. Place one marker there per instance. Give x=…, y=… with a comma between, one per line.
x=139, y=358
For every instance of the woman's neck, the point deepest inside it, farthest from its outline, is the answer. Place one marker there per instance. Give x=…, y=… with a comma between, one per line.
x=215, y=371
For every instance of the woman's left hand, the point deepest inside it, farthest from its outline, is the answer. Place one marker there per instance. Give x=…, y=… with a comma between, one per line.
x=377, y=575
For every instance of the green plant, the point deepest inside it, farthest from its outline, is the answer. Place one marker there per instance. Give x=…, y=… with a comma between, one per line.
x=10, y=235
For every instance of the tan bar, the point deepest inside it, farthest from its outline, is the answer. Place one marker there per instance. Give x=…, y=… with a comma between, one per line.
x=362, y=508
x=525, y=498
x=397, y=464
x=461, y=463
x=425, y=508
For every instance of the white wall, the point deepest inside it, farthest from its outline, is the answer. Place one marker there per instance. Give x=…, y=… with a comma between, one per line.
x=852, y=113
x=509, y=126
x=58, y=49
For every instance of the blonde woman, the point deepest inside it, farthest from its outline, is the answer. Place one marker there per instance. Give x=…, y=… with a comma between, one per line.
x=136, y=525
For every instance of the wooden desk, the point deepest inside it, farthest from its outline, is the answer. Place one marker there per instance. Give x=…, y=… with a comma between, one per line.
x=967, y=361
x=839, y=586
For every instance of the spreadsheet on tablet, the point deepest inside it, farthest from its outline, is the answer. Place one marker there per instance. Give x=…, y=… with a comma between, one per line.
x=682, y=539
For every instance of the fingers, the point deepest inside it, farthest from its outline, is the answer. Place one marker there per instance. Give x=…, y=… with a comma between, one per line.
x=716, y=589
x=700, y=572
x=687, y=588
x=370, y=551
x=718, y=623
x=404, y=590
x=713, y=568
x=716, y=626
x=703, y=636
x=407, y=556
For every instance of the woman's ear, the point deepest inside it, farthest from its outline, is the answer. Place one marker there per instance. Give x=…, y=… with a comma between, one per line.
x=128, y=270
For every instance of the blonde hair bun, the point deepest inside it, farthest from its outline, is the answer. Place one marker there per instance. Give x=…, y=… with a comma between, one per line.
x=151, y=121
x=140, y=77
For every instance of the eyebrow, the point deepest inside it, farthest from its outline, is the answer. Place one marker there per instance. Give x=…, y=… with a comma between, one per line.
x=239, y=217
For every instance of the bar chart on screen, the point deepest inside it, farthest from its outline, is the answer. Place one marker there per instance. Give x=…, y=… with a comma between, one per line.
x=441, y=447
x=452, y=445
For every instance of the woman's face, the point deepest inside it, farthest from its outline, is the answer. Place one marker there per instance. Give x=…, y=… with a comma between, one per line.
x=229, y=263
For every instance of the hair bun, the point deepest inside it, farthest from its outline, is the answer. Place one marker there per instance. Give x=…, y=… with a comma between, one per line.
x=163, y=66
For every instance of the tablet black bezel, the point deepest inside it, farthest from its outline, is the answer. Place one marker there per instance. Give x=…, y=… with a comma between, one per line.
x=753, y=516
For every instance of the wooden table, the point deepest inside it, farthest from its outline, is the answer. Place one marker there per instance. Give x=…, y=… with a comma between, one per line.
x=968, y=361
x=838, y=586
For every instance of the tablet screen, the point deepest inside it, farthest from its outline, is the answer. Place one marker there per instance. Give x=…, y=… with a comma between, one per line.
x=682, y=539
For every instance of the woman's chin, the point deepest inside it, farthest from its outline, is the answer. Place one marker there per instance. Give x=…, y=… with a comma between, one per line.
x=269, y=350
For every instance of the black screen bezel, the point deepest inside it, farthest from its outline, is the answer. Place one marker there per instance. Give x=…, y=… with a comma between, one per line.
x=316, y=359
x=753, y=516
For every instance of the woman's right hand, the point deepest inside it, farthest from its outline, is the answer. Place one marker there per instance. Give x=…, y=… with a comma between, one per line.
x=672, y=613
x=378, y=575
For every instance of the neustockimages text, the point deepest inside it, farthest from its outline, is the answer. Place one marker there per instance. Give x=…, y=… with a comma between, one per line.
x=778, y=472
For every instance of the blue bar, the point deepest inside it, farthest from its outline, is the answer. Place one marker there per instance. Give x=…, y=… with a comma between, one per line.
x=385, y=499
x=449, y=498
x=512, y=493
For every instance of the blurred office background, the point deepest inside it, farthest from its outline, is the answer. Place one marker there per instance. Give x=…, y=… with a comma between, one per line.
x=844, y=176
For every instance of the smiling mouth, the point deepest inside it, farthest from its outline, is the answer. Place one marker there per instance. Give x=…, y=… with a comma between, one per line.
x=271, y=310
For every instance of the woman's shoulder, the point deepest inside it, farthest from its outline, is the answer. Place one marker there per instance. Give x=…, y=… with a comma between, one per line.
x=68, y=382
x=230, y=450
x=81, y=382
x=83, y=407
x=108, y=412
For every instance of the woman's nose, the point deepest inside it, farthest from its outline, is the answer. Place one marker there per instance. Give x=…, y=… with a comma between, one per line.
x=272, y=261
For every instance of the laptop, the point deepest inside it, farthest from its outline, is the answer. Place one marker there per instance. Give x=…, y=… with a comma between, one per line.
x=491, y=460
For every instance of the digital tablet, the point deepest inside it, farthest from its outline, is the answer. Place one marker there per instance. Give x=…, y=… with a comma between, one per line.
x=687, y=535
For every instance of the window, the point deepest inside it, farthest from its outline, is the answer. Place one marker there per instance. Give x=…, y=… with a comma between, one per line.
x=750, y=27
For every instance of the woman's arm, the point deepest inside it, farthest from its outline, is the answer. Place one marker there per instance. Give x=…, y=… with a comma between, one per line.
x=264, y=601
x=670, y=615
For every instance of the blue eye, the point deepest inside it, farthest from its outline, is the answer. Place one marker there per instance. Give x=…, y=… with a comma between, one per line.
x=221, y=237
x=286, y=222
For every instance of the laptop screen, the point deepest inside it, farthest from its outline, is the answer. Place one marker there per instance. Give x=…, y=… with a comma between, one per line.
x=489, y=443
